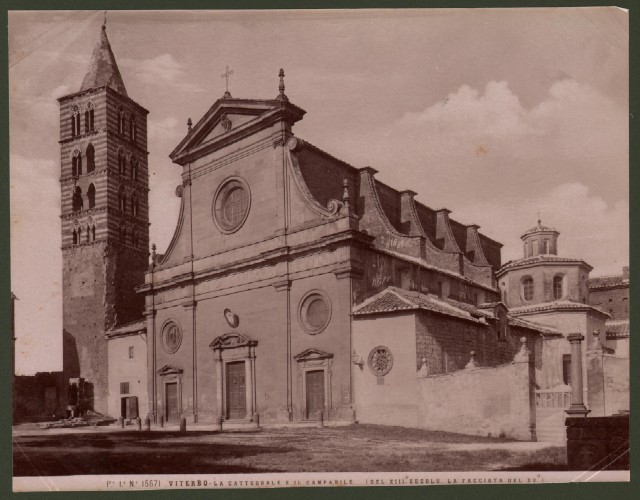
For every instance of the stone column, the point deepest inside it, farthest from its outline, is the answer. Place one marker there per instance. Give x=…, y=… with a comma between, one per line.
x=248, y=376
x=577, y=408
x=219, y=384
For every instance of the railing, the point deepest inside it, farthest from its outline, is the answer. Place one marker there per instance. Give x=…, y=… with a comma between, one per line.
x=549, y=398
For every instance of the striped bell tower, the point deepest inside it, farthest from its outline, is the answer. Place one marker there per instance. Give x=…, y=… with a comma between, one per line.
x=105, y=220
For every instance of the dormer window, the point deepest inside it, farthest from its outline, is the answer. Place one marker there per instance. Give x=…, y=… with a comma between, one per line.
x=527, y=288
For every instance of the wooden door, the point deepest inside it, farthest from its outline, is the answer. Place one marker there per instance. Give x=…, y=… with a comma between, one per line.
x=315, y=393
x=236, y=390
x=172, y=410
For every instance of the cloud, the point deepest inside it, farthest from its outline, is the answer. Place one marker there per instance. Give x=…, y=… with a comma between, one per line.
x=161, y=71
x=590, y=228
x=35, y=262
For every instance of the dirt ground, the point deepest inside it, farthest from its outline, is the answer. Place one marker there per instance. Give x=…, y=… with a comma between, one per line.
x=356, y=448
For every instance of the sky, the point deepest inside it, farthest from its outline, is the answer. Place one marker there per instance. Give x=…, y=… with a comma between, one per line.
x=495, y=114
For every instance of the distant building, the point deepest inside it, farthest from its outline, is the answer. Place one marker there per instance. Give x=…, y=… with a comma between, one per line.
x=556, y=291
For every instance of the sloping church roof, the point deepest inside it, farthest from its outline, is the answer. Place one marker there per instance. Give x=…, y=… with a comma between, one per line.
x=103, y=69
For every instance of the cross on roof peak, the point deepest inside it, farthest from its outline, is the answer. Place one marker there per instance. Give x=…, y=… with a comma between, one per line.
x=226, y=75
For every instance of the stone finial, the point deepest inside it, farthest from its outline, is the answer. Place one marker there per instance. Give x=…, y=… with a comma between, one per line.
x=596, y=345
x=472, y=362
x=281, y=94
x=345, y=196
x=423, y=371
x=153, y=253
x=189, y=125
x=523, y=354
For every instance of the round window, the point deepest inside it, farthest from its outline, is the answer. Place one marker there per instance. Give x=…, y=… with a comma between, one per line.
x=231, y=205
x=171, y=337
x=315, y=312
x=380, y=360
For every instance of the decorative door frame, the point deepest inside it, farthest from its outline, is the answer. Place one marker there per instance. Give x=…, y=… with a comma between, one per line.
x=312, y=360
x=171, y=375
x=229, y=348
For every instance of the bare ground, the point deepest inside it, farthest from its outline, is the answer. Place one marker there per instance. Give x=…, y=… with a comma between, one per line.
x=358, y=448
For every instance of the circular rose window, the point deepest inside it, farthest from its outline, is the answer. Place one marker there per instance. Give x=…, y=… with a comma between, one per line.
x=380, y=360
x=171, y=337
x=231, y=205
x=315, y=312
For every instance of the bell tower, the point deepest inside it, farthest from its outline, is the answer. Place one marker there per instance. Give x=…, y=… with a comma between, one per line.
x=105, y=220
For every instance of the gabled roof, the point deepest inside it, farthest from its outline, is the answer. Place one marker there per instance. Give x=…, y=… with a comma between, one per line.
x=608, y=282
x=124, y=330
x=103, y=69
x=617, y=329
x=393, y=299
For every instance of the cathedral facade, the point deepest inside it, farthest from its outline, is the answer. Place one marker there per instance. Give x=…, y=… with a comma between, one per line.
x=296, y=287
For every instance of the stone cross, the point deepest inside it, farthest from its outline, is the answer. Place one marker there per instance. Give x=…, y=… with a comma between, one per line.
x=226, y=75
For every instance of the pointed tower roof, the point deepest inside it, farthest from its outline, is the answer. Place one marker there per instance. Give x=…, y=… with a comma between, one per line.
x=103, y=69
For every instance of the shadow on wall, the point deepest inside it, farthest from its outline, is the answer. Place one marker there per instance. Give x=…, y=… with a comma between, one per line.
x=70, y=358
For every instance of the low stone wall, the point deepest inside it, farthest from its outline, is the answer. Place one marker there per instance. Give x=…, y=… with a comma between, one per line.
x=480, y=401
x=598, y=443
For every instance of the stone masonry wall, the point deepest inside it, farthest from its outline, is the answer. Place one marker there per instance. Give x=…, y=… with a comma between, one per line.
x=478, y=401
x=598, y=443
x=446, y=343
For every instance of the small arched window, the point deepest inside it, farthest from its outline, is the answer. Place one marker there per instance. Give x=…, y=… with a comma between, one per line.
x=122, y=200
x=120, y=161
x=76, y=200
x=120, y=121
x=91, y=195
x=89, y=117
x=134, y=167
x=75, y=237
x=91, y=158
x=557, y=287
x=134, y=206
x=76, y=163
x=75, y=122
x=88, y=233
x=527, y=288
x=123, y=123
x=134, y=129
x=93, y=233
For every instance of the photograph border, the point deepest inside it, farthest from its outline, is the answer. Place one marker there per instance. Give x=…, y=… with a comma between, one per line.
x=567, y=490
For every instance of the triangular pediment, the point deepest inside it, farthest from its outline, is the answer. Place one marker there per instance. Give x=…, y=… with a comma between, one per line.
x=229, y=120
x=312, y=353
x=169, y=370
x=231, y=341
